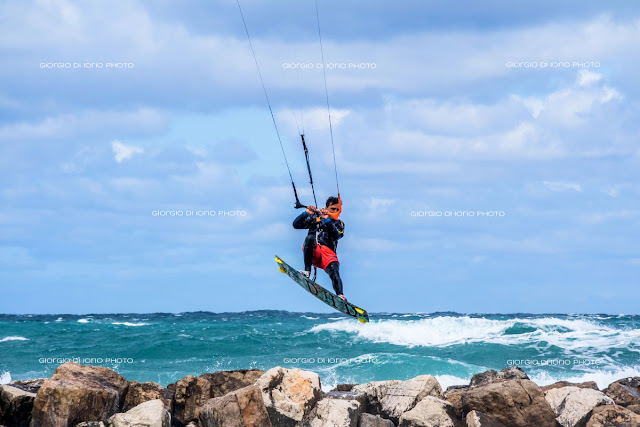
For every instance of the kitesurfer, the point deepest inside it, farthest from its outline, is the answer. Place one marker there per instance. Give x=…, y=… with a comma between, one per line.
x=322, y=240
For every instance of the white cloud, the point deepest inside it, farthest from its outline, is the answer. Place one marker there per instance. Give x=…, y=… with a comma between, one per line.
x=311, y=118
x=585, y=77
x=123, y=152
x=562, y=186
x=87, y=122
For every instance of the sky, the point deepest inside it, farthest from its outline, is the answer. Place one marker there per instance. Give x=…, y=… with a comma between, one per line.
x=487, y=154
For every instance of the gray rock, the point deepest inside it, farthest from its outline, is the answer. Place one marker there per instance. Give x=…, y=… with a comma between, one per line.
x=289, y=394
x=478, y=419
x=360, y=397
x=572, y=405
x=452, y=388
x=515, y=403
x=239, y=408
x=487, y=377
x=15, y=406
x=151, y=413
x=403, y=396
x=91, y=424
x=430, y=412
x=368, y=420
x=193, y=392
x=392, y=398
x=613, y=416
x=374, y=391
x=334, y=413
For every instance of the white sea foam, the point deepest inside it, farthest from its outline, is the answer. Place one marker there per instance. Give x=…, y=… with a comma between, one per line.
x=14, y=339
x=59, y=319
x=602, y=377
x=310, y=318
x=438, y=331
x=130, y=324
x=449, y=380
x=569, y=334
x=5, y=377
x=83, y=320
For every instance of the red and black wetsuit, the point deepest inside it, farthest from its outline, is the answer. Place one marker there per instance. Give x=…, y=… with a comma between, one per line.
x=323, y=253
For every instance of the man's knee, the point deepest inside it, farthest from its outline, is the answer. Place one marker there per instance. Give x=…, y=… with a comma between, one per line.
x=333, y=268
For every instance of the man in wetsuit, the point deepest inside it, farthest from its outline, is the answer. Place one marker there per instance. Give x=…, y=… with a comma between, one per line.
x=322, y=241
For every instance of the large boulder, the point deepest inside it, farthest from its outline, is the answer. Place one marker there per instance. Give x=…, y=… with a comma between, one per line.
x=374, y=392
x=239, y=408
x=289, y=394
x=430, y=412
x=15, y=406
x=151, y=413
x=515, y=403
x=572, y=405
x=613, y=416
x=369, y=420
x=334, y=413
x=143, y=392
x=77, y=393
x=402, y=396
x=558, y=384
x=625, y=392
x=191, y=392
x=478, y=419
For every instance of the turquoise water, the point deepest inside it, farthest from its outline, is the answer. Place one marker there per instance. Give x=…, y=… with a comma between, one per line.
x=164, y=347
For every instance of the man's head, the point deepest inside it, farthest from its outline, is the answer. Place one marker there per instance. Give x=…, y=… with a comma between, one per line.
x=332, y=201
x=334, y=206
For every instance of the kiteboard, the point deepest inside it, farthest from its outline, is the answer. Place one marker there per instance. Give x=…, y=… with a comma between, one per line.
x=322, y=294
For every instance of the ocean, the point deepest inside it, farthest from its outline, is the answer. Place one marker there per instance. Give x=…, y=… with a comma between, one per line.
x=164, y=347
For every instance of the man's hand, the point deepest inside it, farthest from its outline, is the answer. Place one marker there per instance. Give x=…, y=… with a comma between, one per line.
x=311, y=209
x=324, y=214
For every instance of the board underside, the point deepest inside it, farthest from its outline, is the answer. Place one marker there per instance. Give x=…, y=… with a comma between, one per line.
x=322, y=294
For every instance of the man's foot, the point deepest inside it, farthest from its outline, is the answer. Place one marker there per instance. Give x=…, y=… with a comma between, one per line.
x=306, y=274
x=343, y=297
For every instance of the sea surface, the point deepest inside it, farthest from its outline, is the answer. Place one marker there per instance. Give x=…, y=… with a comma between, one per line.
x=164, y=347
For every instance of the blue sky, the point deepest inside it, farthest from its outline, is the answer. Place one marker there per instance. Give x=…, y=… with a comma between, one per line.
x=441, y=122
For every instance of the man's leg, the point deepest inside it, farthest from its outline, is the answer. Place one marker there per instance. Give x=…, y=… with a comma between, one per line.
x=334, y=272
x=309, y=248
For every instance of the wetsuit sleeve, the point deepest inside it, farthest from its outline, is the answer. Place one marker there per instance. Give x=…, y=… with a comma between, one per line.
x=304, y=220
x=335, y=228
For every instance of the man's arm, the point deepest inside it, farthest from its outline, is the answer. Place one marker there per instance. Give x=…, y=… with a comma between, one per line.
x=304, y=220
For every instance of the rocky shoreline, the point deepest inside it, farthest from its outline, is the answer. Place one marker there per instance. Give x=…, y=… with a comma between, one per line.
x=92, y=396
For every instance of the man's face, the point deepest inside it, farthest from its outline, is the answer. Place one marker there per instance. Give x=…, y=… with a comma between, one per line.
x=333, y=208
